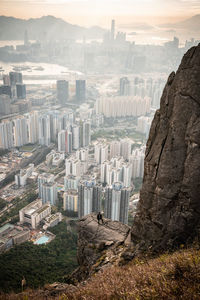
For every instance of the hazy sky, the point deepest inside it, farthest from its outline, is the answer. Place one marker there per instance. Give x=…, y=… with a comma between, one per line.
x=91, y=12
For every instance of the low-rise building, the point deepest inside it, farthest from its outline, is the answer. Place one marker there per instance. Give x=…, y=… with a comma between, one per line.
x=11, y=235
x=34, y=212
x=52, y=220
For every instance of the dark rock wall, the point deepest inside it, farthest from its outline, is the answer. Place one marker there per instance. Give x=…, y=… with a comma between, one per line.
x=169, y=208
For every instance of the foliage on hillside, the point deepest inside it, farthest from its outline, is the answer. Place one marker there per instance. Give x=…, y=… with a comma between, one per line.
x=39, y=264
x=169, y=277
x=2, y=203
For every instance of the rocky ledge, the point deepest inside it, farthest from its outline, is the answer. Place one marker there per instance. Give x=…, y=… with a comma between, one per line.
x=99, y=245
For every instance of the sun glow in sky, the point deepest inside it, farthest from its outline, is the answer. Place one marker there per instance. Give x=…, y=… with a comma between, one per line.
x=99, y=12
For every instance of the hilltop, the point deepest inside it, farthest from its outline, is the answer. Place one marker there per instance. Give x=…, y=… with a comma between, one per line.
x=52, y=29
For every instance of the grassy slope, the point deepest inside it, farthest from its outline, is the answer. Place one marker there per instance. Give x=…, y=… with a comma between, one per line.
x=169, y=276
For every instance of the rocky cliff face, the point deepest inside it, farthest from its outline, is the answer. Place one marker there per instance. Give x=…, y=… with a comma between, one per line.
x=99, y=245
x=169, y=208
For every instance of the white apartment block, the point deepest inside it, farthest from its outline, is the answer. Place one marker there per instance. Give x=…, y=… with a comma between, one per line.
x=70, y=200
x=100, y=152
x=6, y=135
x=122, y=106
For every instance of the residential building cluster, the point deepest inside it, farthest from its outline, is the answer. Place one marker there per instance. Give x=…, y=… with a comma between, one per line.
x=116, y=170
x=44, y=128
x=117, y=165
x=123, y=106
x=143, y=87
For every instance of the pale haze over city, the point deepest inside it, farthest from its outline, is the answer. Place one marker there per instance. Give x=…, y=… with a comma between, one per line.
x=81, y=82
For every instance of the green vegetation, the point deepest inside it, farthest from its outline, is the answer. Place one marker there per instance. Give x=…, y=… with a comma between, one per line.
x=3, y=152
x=2, y=203
x=112, y=134
x=12, y=215
x=70, y=214
x=39, y=264
x=130, y=218
x=138, y=184
x=135, y=135
x=28, y=148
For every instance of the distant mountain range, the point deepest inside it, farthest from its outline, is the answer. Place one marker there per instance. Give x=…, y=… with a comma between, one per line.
x=48, y=27
x=52, y=28
x=192, y=24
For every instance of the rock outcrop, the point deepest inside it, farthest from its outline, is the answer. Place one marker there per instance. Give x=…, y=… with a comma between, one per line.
x=99, y=245
x=169, y=207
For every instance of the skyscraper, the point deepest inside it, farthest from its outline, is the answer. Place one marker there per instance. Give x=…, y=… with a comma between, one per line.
x=20, y=132
x=71, y=182
x=49, y=193
x=6, y=135
x=15, y=77
x=70, y=201
x=137, y=161
x=6, y=79
x=6, y=90
x=84, y=134
x=126, y=148
x=80, y=90
x=101, y=152
x=117, y=202
x=26, y=41
x=65, y=141
x=32, y=121
x=75, y=137
x=62, y=91
x=5, y=105
x=89, y=197
x=44, y=130
x=42, y=178
x=21, y=91
x=115, y=147
x=112, y=33
x=124, y=87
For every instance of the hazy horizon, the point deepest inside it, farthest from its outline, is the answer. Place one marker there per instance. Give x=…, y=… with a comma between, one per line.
x=94, y=12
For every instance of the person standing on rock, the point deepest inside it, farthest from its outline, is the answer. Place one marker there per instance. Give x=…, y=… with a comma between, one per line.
x=99, y=218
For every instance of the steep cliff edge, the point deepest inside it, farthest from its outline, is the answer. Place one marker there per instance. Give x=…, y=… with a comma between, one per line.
x=99, y=245
x=169, y=207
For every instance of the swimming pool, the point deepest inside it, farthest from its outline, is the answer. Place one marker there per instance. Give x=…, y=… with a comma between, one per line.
x=42, y=240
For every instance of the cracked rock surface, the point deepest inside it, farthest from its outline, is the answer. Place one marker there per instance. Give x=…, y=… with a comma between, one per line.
x=99, y=245
x=169, y=208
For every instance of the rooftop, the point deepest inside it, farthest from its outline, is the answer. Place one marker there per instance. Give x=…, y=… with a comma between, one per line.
x=41, y=209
